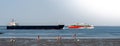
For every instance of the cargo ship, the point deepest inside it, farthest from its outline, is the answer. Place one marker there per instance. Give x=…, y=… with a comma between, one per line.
x=81, y=26
x=14, y=25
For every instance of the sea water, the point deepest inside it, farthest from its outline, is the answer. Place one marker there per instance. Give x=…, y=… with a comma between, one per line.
x=97, y=32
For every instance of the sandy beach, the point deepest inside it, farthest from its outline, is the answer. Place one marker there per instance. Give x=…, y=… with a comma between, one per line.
x=58, y=42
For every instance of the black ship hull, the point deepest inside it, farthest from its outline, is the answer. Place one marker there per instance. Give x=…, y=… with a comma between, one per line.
x=37, y=27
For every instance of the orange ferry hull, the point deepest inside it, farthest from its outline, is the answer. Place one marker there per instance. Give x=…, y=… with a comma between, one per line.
x=75, y=27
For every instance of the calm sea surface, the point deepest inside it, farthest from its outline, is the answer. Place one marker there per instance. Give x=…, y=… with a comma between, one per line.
x=97, y=32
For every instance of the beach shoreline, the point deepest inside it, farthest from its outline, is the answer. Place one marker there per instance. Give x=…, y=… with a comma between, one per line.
x=58, y=42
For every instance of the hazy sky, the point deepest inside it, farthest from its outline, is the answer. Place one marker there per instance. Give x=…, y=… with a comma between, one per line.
x=38, y=12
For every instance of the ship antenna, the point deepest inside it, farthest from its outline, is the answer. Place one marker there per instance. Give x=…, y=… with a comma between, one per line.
x=13, y=20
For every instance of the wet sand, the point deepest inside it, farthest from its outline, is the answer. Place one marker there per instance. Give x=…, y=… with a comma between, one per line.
x=58, y=42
